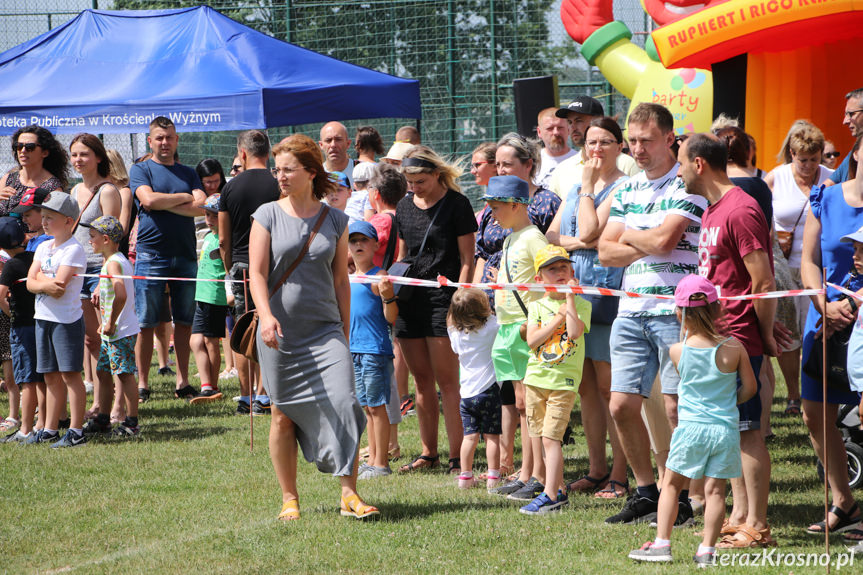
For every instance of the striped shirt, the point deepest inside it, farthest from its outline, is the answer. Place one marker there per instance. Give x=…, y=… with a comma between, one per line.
x=643, y=204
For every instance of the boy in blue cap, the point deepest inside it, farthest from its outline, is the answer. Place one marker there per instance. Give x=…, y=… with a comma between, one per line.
x=508, y=198
x=371, y=345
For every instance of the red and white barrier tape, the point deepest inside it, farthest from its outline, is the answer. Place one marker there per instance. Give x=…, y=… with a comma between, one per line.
x=534, y=287
x=847, y=292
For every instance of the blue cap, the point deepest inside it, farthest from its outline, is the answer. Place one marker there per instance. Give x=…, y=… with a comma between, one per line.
x=340, y=178
x=363, y=228
x=507, y=189
x=11, y=233
x=212, y=204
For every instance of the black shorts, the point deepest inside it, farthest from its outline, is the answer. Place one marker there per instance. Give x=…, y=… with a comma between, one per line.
x=209, y=319
x=422, y=316
x=481, y=413
x=507, y=393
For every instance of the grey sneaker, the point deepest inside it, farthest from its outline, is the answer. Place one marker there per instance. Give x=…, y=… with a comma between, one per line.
x=507, y=487
x=70, y=439
x=529, y=492
x=18, y=437
x=371, y=472
x=652, y=554
x=705, y=560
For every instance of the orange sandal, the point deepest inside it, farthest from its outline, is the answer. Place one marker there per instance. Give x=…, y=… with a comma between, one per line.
x=353, y=506
x=290, y=510
x=747, y=537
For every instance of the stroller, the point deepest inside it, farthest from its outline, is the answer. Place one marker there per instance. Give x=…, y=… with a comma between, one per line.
x=848, y=423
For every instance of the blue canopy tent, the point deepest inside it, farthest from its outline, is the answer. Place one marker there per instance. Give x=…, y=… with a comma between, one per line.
x=113, y=71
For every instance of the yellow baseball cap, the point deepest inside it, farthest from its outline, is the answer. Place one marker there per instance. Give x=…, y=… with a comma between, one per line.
x=548, y=255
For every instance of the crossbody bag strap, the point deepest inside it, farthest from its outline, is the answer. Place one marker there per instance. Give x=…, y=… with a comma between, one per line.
x=431, y=223
x=87, y=205
x=324, y=211
x=392, y=242
x=509, y=279
x=803, y=209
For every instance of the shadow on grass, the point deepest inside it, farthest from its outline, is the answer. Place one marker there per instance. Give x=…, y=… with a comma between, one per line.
x=397, y=511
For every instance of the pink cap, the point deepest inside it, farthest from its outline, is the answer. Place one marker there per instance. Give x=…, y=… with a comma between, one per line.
x=691, y=285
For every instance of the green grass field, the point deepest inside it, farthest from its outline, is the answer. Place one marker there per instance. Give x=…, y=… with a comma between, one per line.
x=189, y=496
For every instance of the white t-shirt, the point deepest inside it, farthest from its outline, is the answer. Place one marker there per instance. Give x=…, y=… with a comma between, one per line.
x=67, y=308
x=643, y=204
x=127, y=322
x=474, y=354
x=357, y=204
x=789, y=204
x=547, y=165
x=568, y=173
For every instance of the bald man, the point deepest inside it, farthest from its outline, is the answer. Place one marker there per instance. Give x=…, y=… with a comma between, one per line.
x=408, y=134
x=335, y=144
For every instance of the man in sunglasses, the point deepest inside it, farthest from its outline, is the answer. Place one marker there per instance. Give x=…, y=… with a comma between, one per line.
x=854, y=120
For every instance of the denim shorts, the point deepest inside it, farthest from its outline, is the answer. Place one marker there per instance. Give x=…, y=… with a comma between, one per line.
x=373, y=374
x=750, y=410
x=59, y=346
x=149, y=294
x=699, y=449
x=90, y=284
x=118, y=357
x=209, y=319
x=23, y=342
x=482, y=412
x=639, y=346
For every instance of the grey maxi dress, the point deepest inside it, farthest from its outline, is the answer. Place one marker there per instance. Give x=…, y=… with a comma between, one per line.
x=310, y=378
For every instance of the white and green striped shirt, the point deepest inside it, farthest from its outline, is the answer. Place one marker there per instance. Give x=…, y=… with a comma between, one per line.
x=642, y=204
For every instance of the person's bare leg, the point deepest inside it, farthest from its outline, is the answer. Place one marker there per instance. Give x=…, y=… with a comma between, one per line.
x=659, y=458
x=129, y=387
x=468, y=449
x=400, y=369
x=283, y=453
x=445, y=366
x=144, y=356
x=789, y=363
x=92, y=343
x=603, y=384
x=553, y=461
x=104, y=391
x=714, y=510
x=666, y=510
x=42, y=403
x=118, y=411
x=202, y=358
x=378, y=415
x=626, y=412
x=77, y=397
x=509, y=423
x=182, y=349
x=227, y=352
x=756, y=475
x=492, y=451
x=55, y=399
x=244, y=373
x=766, y=394
x=593, y=420
x=214, y=352
x=837, y=472
x=28, y=407
x=12, y=389
x=417, y=358
x=527, y=453
x=163, y=343
x=538, y=470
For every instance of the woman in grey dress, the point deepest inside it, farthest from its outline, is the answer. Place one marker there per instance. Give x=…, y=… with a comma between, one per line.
x=303, y=329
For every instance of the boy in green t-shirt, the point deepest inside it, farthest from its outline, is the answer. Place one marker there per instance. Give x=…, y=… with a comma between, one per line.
x=555, y=332
x=508, y=197
x=211, y=308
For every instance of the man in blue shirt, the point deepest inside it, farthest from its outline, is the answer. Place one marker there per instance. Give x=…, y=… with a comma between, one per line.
x=169, y=196
x=854, y=120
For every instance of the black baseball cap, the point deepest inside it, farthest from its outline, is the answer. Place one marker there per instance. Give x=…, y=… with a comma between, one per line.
x=11, y=233
x=582, y=105
x=31, y=199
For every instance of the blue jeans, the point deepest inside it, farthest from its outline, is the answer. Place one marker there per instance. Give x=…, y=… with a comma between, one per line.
x=372, y=377
x=639, y=349
x=149, y=294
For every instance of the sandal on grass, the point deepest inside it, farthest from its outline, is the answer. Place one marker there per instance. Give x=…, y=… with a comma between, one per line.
x=853, y=536
x=9, y=424
x=793, y=407
x=588, y=484
x=747, y=537
x=420, y=463
x=454, y=465
x=353, y=506
x=185, y=392
x=727, y=529
x=290, y=510
x=143, y=395
x=845, y=523
x=613, y=490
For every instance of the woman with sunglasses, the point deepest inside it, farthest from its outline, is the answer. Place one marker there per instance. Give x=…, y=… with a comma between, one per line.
x=830, y=157
x=42, y=163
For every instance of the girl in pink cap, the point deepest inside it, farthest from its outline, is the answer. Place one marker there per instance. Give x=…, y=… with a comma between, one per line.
x=706, y=442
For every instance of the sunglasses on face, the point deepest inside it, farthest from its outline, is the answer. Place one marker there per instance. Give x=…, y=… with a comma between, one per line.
x=29, y=146
x=831, y=155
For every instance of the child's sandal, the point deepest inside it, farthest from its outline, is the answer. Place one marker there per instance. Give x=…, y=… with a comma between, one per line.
x=290, y=510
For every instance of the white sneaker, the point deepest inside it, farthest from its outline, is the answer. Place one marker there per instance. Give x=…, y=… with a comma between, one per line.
x=88, y=387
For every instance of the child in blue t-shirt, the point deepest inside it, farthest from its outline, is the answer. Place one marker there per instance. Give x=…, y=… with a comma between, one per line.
x=707, y=441
x=371, y=346
x=854, y=281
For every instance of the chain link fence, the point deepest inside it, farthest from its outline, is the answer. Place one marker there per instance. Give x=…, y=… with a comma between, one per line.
x=465, y=54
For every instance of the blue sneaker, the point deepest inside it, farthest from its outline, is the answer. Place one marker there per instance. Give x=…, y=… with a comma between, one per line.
x=70, y=439
x=543, y=504
x=42, y=436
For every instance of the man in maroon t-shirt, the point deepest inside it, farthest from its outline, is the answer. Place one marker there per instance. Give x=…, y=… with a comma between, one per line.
x=734, y=252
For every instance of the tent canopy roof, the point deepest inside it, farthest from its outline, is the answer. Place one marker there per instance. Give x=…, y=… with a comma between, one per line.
x=113, y=71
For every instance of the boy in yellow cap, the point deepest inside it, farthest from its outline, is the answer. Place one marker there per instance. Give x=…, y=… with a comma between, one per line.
x=556, y=325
